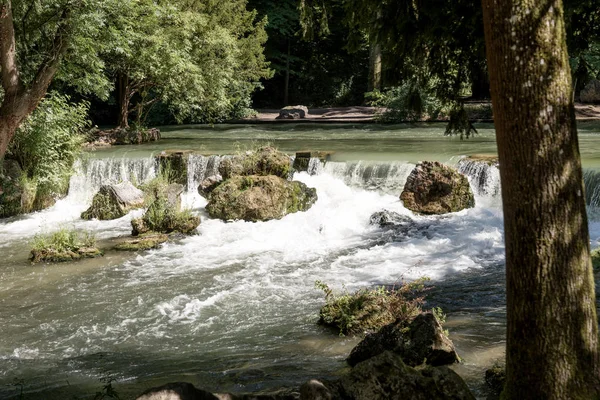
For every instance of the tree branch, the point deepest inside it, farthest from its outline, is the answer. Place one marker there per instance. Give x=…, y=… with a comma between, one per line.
x=51, y=63
x=11, y=82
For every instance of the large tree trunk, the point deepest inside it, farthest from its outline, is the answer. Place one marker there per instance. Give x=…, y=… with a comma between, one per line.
x=374, y=67
x=124, y=100
x=20, y=100
x=552, y=330
x=286, y=90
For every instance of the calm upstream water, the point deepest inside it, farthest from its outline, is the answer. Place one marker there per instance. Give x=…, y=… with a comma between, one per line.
x=234, y=308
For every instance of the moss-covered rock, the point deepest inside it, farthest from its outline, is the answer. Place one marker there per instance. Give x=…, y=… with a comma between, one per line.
x=144, y=242
x=495, y=378
x=421, y=341
x=173, y=164
x=163, y=217
x=259, y=198
x=434, y=188
x=114, y=201
x=387, y=377
x=52, y=255
x=263, y=161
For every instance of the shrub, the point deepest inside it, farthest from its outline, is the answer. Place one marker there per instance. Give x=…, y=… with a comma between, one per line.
x=48, y=143
x=370, y=309
x=408, y=102
x=63, y=240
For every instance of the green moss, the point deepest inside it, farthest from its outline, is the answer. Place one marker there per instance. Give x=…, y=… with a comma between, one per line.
x=370, y=309
x=145, y=242
x=103, y=209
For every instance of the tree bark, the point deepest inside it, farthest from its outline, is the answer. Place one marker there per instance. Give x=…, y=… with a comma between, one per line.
x=552, y=330
x=374, y=67
x=20, y=100
x=286, y=90
x=124, y=100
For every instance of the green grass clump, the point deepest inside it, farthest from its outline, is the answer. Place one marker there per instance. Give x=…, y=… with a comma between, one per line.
x=370, y=309
x=63, y=245
x=163, y=217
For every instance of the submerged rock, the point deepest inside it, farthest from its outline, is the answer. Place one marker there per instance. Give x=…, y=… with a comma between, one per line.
x=495, y=378
x=315, y=390
x=263, y=161
x=144, y=242
x=259, y=198
x=433, y=188
x=421, y=341
x=387, y=377
x=114, y=201
x=387, y=218
x=293, y=112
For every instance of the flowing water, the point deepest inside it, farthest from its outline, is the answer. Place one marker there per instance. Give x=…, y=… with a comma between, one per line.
x=234, y=308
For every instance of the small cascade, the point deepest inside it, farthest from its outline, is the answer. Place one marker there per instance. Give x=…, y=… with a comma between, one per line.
x=200, y=168
x=315, y=166
x=483, y=176
x=92, y=173
x=591, y=181
x=386, y=177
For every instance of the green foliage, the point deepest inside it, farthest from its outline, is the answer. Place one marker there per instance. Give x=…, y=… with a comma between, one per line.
x=408, y=102
x=63, y=240
x=201, y=59
x=370, y=309
x=460, y=123
x=49, y=141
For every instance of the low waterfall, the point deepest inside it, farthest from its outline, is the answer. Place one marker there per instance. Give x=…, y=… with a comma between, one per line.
x=200, y=168
x=483, y=176
x=387, y=177
x=92, y=173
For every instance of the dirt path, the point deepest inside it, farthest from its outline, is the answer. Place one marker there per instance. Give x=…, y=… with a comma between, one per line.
x=360, y=114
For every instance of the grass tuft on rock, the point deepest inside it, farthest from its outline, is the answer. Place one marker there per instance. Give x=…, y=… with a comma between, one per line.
x=63, y=245
x=368, y=310
x=162, y=217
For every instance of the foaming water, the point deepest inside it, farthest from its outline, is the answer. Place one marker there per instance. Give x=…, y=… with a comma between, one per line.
x=235, y=292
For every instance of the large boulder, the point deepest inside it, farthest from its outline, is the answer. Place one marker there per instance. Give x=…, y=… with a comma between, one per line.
x=386, y=376
x=422, y=341
x=591, y=92
x=434, y=188
x=259, y=198
x=263, y=161
x=293, y=112
x=114, y=201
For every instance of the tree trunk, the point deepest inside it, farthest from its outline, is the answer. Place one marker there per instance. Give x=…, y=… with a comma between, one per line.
x=480, y=83
x=286, y=90
x=374, y=67
x=552, y=330
x=124, y=99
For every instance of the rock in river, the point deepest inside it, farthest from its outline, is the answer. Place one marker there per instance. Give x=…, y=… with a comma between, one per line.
x=259, y=198
x=434, y=188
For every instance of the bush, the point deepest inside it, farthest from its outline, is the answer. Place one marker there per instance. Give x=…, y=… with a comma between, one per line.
x=370, y=309
x=408, y=102
x=163, y=217
x=48, y=143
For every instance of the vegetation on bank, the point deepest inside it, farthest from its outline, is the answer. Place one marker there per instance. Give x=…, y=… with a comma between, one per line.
x=42, y=154
x=63, y=245
x=367, y=310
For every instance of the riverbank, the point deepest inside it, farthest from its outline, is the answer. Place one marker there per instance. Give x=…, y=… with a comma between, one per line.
x=360, y=114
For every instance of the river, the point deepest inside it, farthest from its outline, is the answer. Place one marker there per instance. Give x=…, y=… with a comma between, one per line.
x=234, y=308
